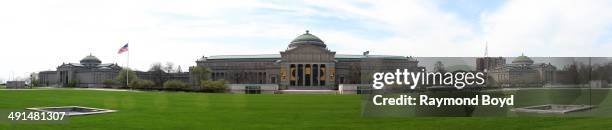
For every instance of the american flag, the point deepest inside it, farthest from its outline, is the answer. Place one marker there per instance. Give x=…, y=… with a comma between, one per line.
x=123, y=49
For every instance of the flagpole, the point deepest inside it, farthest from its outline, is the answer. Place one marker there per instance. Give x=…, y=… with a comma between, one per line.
x=127, y=72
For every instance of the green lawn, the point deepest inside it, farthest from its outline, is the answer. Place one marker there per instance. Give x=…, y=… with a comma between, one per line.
x=160, y=110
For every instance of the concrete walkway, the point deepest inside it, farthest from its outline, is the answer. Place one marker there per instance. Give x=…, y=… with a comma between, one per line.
x=56, y=88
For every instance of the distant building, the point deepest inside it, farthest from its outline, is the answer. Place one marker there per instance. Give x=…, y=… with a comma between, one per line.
x=522, y=73
x=488, y=63
x=90, y=72
x=15, y=84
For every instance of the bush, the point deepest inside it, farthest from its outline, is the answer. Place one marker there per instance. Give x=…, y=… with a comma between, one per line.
x=72, y=83
x=142, y=84
x=212, y=86
x=175, y=85
x=108, y=83
x=34, y=83
x=147, y=84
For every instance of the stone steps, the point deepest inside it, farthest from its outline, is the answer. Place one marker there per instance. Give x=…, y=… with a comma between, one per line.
x=308, y=91
x=312, y=88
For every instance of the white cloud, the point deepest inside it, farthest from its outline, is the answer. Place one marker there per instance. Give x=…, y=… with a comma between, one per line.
x=39, y=35
x=549, y=28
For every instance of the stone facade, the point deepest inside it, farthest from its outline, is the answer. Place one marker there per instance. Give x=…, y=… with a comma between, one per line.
x=90, y=72
x=522, y=72
x=15, y=84
x=488, y=63
x=307, y=63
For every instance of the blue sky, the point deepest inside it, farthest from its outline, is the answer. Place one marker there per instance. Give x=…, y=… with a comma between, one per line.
x=44, y=34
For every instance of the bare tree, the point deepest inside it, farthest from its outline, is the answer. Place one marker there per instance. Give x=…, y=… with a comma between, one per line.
x=439, y=67
x=156, y=67
x=157, y=73
x=169, y=68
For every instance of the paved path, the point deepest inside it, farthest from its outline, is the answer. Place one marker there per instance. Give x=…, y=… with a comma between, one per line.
x=55, y=88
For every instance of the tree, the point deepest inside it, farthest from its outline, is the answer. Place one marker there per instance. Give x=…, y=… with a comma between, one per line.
x=33, y=80
x=175, y=85
x=439, y=67
x=199, y=73
x=572, y=72
x=121, y=78
x=158, y=75
x=169, y=68
x=156, y=67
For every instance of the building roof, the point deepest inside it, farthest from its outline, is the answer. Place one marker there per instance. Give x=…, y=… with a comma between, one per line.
x=278, y=56
x=304, y=39
x=262, y=56
x=90, y=59
x=307, y=39
x=522, y=60
x=107, y=65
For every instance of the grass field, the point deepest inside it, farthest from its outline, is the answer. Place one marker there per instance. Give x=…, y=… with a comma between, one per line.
x=164, y=110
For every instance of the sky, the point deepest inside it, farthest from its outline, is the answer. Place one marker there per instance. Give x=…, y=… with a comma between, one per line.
x=39, y=35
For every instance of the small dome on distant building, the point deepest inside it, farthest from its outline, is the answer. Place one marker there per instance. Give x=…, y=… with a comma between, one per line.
x=202, y=59
x=522, y=60
x=90, y=60
x=307, y=39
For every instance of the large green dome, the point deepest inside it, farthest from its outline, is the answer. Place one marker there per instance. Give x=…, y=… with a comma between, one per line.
x=522, y=60
x=90, y=60
x=307, y=39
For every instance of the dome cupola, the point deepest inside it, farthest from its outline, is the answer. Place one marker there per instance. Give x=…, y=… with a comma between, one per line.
x=522, y=60
x=307, y=39
x=90, y=60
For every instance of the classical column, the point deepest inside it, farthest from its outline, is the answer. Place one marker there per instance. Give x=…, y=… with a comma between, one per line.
x=315, y=74
x=303, y=75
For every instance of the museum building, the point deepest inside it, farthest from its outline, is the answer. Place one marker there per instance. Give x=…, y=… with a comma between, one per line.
x=307, y=64
x=91, y=72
